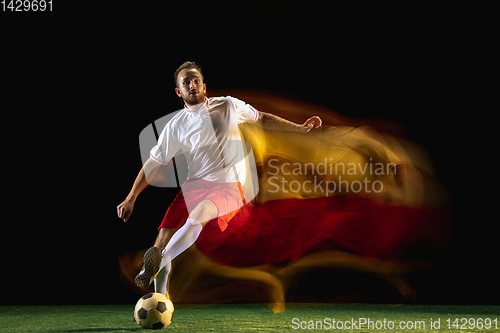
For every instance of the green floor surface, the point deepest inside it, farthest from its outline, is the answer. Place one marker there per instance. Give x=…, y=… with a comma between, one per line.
x=258, y=318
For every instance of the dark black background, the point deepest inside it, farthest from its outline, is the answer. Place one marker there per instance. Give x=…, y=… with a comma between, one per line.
x=81, y=83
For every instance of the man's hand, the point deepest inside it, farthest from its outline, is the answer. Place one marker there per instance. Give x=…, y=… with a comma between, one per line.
x=125, y=209
x=314, y=121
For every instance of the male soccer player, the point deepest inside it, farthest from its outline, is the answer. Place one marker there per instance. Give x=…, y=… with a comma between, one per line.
x=206, y=131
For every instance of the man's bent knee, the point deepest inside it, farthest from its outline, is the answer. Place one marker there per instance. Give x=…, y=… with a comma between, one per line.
x=204, y=212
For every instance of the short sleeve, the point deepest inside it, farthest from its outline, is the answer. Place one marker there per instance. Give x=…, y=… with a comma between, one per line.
x=167, y=147
x=245, y=113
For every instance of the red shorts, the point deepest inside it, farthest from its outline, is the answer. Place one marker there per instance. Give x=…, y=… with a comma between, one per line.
x=228, y=197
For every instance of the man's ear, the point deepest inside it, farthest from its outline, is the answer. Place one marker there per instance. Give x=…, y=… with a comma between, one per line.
x=204, y=88
x=178, y=92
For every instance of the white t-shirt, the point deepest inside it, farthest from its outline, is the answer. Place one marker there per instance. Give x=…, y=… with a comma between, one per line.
x=209, y=138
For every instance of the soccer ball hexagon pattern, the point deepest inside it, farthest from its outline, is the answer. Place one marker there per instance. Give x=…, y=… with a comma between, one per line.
x=153, y=311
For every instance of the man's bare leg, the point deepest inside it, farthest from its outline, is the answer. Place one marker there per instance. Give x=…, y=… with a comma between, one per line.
x=161, y=280
x=164, y=236
x=155, y=259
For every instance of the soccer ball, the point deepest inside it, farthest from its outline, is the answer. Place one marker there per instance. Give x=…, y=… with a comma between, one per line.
x=153, y=311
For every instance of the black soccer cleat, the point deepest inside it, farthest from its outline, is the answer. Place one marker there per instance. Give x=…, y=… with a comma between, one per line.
x=152, y=262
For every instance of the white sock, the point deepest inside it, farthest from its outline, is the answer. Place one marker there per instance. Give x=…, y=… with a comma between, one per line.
x=162, y=279
x=181, y=241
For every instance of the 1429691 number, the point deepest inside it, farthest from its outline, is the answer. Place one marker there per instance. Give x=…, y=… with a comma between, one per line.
x=27, y=5
x=472, y=323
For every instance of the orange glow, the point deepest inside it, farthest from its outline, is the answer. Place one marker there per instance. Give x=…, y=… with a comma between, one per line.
x=345, y=196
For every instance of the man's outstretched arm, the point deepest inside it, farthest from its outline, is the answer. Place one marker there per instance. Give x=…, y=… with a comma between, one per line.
x=148, y=171
x=272, y=122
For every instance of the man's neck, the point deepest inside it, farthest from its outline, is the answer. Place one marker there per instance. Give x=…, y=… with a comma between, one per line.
x=195, y=106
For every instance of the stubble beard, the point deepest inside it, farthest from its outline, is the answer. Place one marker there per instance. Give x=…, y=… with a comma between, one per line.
x=196, y=99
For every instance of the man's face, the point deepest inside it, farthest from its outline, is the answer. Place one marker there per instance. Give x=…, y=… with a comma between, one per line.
x=191, y=87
